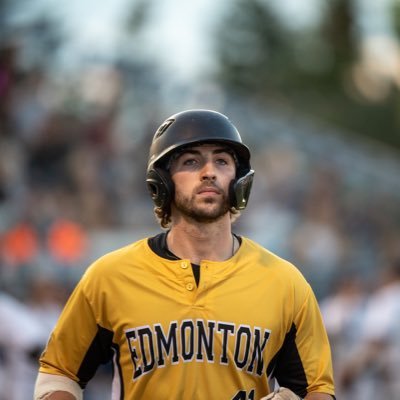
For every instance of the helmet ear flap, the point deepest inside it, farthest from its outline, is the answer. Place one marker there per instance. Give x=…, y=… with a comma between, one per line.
x=160, y=186
x=240, y=190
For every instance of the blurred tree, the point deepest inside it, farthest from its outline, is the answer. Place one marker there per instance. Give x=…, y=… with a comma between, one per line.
x=396, y=17
x=253, y=48
x=37, y=35
x=314, y=69
x=138, y=15
x=5, y=6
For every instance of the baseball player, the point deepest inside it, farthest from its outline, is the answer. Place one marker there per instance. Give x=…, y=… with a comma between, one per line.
x=195, y=312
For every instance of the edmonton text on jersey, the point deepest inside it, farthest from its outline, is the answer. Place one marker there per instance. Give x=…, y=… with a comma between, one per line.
x=197, y=340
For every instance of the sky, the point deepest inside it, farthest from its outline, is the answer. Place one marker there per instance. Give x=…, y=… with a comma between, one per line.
x=179, y=24
x=93, y=26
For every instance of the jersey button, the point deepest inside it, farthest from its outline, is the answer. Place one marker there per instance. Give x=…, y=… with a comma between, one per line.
x=189, y=286
x=184, y=265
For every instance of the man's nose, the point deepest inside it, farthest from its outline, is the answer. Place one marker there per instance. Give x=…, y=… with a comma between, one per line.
x=208, y=171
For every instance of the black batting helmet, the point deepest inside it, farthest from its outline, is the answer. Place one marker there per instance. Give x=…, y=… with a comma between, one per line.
x=189, y=128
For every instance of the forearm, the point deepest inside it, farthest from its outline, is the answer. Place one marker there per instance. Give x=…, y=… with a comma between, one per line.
x=318, y=396
x=56, y=387
x=59, y=396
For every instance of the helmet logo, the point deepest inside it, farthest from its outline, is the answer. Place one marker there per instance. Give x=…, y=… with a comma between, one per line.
x=164, y=126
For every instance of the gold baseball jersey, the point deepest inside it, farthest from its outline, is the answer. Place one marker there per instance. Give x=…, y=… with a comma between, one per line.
x=251, y=318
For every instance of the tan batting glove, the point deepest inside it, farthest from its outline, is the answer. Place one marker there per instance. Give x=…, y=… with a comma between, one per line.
x=282, y=394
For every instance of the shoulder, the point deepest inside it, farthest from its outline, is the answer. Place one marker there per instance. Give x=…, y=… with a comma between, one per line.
x=270, y=268
x=265, y=258
x=282, y=279
x=114, y=262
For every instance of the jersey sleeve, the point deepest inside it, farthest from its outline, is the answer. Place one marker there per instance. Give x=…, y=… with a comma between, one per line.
x=303, y=364
x=78, y=343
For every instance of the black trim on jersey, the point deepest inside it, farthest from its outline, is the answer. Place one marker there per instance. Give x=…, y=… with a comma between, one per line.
x=159, y=245
x=286, y=365
x=99, y=352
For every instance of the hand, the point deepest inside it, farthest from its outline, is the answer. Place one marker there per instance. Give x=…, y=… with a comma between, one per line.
x=282, y=394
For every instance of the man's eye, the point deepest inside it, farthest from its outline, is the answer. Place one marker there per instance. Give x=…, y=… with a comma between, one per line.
x=222, y=161
x=189, y=161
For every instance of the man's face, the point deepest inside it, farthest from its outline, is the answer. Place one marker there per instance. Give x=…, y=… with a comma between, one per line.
x=202, y=175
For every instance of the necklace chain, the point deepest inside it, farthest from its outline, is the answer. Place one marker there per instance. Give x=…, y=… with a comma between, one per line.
x=232, y=251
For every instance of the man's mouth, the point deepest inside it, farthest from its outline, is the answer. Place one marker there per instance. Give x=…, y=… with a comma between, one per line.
x=208, y=190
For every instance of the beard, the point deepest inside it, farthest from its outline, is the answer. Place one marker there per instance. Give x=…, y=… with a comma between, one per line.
x=210, y=209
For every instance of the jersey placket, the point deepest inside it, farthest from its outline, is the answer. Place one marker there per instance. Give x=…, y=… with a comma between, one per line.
x=204, y=285
x=189, y=283
x=196, y=294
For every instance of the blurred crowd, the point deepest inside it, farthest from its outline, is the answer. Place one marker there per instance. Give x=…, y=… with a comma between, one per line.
x=72, y=167
x=364, y=328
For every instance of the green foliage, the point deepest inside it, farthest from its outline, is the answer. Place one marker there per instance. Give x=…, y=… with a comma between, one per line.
x=310, y=69
x=139, y=15
x=396, y=17
x=251, y=39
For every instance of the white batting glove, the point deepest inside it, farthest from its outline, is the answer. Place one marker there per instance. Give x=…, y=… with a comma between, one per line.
x=282, y=394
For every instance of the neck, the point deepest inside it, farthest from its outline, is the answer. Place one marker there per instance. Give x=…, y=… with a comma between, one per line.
x=198, y=242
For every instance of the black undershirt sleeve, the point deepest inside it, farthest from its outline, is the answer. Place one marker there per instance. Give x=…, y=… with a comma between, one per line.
x=286, y=366
x=99, y=352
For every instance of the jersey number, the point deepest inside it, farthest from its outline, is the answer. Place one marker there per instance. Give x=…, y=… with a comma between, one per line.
x=242, y=395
